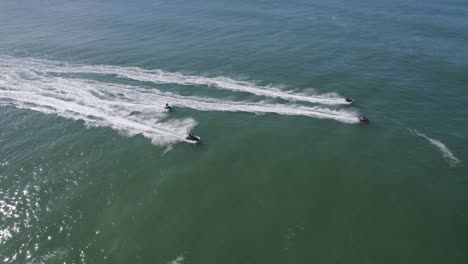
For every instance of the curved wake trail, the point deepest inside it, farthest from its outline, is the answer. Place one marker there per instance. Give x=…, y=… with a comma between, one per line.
x=446, y=152
x=162, y=77
x=131, y=110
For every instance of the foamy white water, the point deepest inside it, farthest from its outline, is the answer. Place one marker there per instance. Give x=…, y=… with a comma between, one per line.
x=446, y=152
x=162, y=77
x=130, y=110
x=178, y=260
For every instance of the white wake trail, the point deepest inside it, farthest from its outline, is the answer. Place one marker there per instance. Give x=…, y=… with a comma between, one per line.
x=128, y=109
x=78, y=100
x=162, y=77
x=446, y=152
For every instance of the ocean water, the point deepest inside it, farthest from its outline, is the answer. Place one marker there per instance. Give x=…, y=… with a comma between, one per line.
x=94, y=170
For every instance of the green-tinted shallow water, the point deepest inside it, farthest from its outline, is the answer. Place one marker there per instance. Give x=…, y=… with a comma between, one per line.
x=93, y=170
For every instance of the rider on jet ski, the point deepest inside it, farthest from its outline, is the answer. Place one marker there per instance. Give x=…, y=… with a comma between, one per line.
x=192, y=137
x=349, y=99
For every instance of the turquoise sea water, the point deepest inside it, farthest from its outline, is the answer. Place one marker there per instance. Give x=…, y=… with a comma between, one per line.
x=94, y=170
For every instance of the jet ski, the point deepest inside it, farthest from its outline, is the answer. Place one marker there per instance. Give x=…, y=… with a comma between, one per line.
x=168, y=107
x=364, y=120
x=193, y=138
x=349, y=100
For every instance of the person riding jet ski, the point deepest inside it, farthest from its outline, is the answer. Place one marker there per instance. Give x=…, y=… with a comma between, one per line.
x=364, y=120
x=168, y=107
x=192, y=137
x=349, y=99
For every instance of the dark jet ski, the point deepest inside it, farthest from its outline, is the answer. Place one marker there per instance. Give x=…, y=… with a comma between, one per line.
x=193, y=138
x=349, y=100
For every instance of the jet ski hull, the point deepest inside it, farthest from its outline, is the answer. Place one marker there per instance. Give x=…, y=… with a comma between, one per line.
x=362, y=120
x=194, y=139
